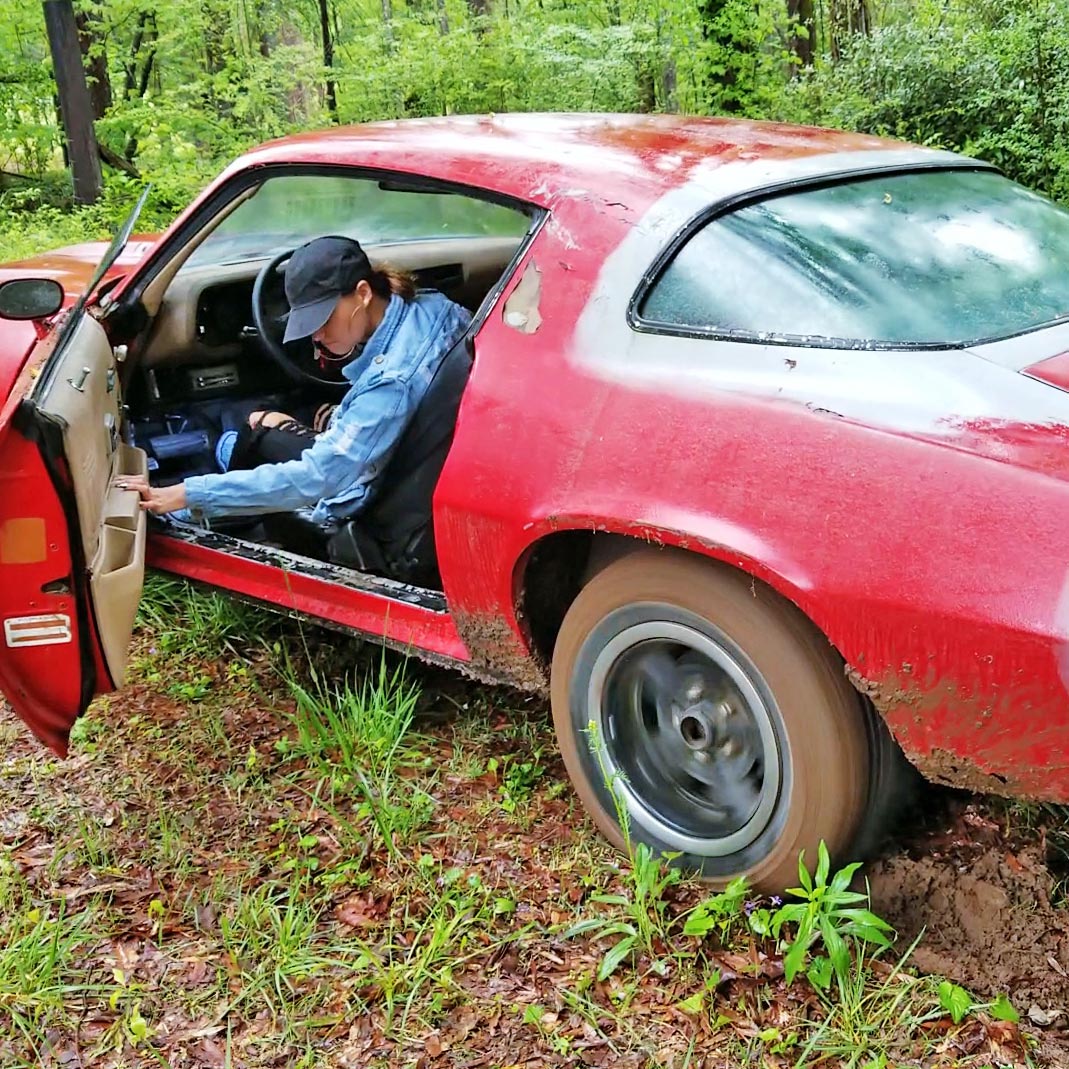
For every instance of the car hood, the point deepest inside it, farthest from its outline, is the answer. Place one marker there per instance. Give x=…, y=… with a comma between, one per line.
x=72, y=267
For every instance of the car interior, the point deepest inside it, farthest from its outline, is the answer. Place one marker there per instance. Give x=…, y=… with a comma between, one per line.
x=211, y=350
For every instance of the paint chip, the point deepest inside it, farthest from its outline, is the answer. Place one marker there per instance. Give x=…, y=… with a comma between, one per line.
x=521, y=309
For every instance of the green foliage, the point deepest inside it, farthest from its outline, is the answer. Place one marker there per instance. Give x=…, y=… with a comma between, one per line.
x=988, y=79
x=827, y=914
x=357, y=737
x=955, y=1000
x=716, y=915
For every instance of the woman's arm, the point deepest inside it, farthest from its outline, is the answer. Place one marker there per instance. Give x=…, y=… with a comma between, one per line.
x=337, y=464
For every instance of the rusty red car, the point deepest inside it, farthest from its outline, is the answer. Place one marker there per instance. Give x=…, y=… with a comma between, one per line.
x=759, y=469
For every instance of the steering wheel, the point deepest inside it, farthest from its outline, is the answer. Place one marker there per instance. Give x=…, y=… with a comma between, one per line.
x=270, y=310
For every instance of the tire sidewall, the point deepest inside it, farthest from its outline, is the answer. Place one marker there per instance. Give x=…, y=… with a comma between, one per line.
x=823, y=751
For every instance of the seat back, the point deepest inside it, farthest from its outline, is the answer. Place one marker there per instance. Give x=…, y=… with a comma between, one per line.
x=398, y=520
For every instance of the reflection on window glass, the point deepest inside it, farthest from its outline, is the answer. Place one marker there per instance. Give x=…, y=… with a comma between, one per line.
x=292, y=209
x=929, y=258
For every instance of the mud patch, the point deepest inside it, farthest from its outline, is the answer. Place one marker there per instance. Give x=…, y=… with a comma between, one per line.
x=985, y=907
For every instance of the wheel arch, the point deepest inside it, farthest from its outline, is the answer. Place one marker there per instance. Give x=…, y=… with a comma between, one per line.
x=556, y=565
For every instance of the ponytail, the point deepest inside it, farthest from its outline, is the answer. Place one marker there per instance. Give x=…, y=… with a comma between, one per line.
x=386, y=280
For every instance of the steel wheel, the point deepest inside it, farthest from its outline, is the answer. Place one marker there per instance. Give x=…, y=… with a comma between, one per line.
x=718, y=714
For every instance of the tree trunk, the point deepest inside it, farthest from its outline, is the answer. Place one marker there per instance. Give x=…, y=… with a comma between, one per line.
x=728, y=46
x=387, y=23
x=443, y=18
x=847, y=17
x=138, y=72
x=94, y=59
x=669, y=86
x=800, y=12
x=75, y=106
x=328, y=59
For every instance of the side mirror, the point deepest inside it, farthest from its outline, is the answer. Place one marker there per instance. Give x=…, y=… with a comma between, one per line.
x=30, y=298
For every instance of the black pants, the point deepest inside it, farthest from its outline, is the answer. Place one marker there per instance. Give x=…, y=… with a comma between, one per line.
x=346, y=545
x=270, y=445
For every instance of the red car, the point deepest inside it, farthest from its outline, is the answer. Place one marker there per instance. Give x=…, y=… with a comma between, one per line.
x=760, y=467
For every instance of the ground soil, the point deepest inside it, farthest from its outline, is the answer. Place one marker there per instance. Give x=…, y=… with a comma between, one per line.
x=988, y=900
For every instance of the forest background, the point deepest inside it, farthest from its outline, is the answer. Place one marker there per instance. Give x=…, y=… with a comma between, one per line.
x=179, y=87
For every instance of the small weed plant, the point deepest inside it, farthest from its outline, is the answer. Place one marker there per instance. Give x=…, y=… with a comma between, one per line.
x=643, y=900
x=828, y=915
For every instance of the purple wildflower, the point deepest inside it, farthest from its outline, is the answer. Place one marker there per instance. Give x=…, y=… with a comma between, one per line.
x=749, y=907
x=776, y=901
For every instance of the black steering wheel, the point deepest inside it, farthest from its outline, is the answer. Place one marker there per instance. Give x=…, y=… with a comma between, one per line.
x=270, y=309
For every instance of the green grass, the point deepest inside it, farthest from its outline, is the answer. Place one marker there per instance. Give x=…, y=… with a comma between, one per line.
x=301, y=853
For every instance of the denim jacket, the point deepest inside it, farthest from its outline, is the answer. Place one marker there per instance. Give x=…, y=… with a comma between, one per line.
x=389, y=379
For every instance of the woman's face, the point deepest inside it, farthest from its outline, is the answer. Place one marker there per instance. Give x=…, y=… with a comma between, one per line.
x=349, y=325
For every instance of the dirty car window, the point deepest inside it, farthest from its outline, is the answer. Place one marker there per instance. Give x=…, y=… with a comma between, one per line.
x=927, y=258
x=292, y=209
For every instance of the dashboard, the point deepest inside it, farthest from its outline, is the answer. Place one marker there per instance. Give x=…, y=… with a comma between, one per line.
x=224, y=314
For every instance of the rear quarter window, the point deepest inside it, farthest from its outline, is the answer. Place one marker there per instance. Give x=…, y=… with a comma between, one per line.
x=932, y=258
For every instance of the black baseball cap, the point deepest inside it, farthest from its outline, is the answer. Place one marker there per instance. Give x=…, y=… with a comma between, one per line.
x=317, y=274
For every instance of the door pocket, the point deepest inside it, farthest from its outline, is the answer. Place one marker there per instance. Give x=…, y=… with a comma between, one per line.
x=118, y=569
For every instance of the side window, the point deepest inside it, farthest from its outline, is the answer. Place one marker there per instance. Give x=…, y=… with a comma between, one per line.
x=932, y=258
x=757, y=273
x=695, y=289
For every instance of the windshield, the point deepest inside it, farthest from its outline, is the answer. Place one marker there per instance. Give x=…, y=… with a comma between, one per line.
x=291, y=209
x=934, y=258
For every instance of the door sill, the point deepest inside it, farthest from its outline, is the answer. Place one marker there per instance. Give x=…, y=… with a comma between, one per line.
x=339, y=575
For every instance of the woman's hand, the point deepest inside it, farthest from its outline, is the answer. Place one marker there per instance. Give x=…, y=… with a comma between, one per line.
x=154, y=499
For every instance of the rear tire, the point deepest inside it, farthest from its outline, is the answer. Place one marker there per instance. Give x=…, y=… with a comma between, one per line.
x=721, y=716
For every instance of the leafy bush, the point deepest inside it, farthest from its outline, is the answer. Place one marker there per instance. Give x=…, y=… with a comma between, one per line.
x=990, y=80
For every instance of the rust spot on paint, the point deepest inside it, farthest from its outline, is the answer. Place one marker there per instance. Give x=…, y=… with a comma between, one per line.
x=521, y=311
x=23, y=540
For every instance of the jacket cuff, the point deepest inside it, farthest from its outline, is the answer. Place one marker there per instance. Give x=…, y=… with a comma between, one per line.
x=195, y=495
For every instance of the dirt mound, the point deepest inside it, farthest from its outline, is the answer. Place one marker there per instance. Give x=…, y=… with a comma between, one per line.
x=986, y=912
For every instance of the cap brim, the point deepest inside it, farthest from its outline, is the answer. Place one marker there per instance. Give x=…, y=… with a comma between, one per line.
x=306, y=319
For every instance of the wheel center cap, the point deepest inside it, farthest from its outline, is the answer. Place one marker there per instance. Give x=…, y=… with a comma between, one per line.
x=696, y=729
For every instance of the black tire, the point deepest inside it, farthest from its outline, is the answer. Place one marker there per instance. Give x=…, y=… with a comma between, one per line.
x=707, y=688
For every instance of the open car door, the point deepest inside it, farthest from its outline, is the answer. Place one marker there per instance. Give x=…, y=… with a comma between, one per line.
x=72, y=546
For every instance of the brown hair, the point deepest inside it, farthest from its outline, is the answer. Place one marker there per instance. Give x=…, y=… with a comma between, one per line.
x=386, y=280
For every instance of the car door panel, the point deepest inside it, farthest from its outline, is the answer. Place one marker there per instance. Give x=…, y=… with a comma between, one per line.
x=83, y=398
x=62, y=455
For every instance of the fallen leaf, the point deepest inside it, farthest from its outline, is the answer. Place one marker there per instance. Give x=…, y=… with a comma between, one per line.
x=1042, y=1018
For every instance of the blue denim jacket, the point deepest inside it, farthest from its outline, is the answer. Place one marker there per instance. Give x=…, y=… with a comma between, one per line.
x=389, y=379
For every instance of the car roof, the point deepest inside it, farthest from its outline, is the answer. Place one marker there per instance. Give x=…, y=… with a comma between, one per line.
x=537, y=157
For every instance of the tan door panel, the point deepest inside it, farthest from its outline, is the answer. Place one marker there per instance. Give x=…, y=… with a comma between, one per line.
x=85, y=396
